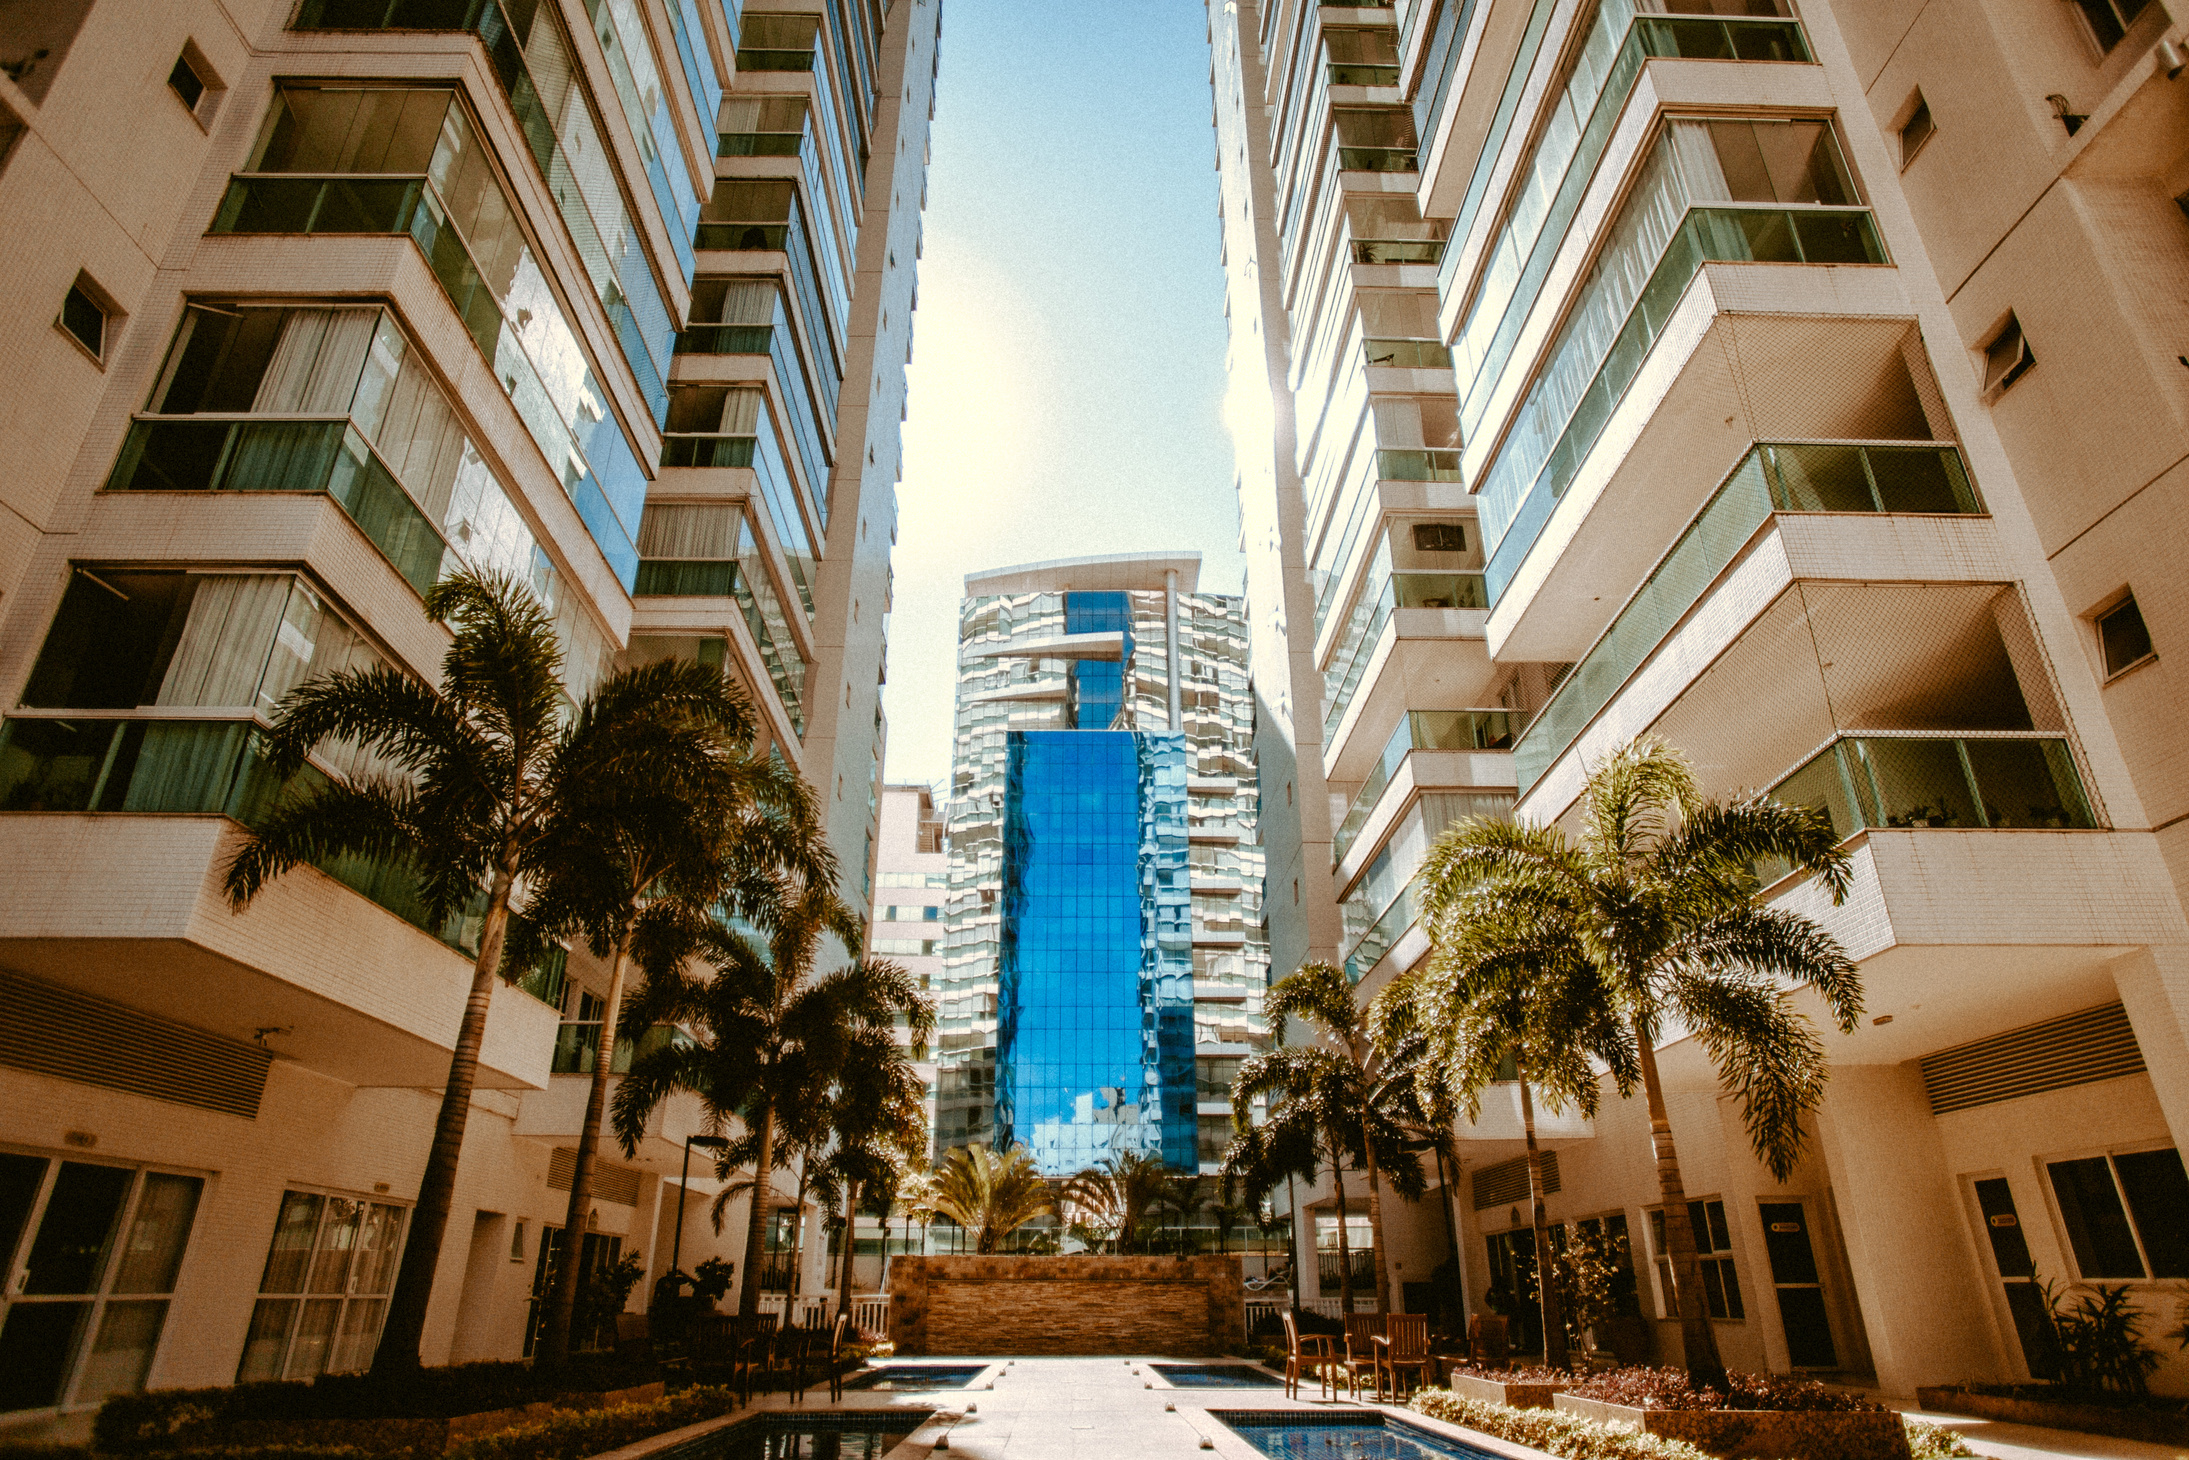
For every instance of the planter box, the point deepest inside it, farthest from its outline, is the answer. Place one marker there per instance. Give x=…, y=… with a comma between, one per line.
x=425, y=1436
x=2156, y=1426
x=1759, y=1434
x=1493, y=1391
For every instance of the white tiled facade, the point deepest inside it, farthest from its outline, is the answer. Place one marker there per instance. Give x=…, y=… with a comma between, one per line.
x=1799, y=382
x=307, y=304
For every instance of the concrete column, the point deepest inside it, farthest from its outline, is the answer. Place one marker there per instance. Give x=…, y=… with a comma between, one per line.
x=2154, y=987
x=1170, y=642
x=1920, y=1285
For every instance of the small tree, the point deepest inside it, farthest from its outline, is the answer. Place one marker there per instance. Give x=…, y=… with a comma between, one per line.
x=988, y=1194
x=1109, y=1202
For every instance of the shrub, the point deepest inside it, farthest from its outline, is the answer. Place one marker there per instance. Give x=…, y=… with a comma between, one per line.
x=1553, y=1431
x=169, y=1419
x=576, y=1434
x=1927, y=1441
x=1537, y=1374
x=1643, y=1388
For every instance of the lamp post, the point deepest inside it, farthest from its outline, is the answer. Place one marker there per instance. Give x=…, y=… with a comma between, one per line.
x=706, y=1143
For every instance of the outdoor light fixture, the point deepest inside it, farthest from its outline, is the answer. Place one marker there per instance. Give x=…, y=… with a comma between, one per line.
x=705, y=1143
x=2171, y=59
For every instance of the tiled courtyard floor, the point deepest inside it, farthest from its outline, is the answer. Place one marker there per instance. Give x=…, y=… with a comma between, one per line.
x=1122, y=1409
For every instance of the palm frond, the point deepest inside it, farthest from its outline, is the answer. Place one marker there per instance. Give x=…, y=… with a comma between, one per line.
x=342, y=818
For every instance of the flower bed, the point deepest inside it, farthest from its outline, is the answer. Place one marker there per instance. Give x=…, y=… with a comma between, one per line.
x=1764, y=1417
x=1530, y=1388
x=1573, y=1436
x=2159, y=1422
x=1640, y=1388
x=422, y=1414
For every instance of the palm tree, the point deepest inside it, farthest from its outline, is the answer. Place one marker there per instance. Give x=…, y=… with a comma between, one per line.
x=669, y=813
x=988, y=1193
x=1261, y=1156
x=478, y=765
x=878, y=1119
x=1369, y=1110
x=769, y=1034
x=1658, y=895
x=1496, y=1002
x=1112, y=1198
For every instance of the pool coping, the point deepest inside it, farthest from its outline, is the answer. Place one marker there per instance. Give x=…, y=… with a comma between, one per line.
x=1163, y=1381
x=1213, y=1426
x=916, y=1446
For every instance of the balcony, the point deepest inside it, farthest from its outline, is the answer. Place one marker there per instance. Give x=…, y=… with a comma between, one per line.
x=1407, y=354
x=255, y=455
x=1377, y=159
x=707, y=452
x=1837, y=477
x=1414, y=465
x=1367, y=949
x=1359, y=638
x=1398, y=250
x=1918, y=782
x=122, y=829
x=1430, y=730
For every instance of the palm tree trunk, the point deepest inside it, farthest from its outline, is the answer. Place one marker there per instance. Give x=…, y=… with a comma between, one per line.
x=1345, y=1250
x=851, y=1223
x=756, y=1221
x=406, y=1321
x=1381, y=1252
x=1704, y=1367
x=562, y=1291
x=1299, y=1265
x=1546, y=1262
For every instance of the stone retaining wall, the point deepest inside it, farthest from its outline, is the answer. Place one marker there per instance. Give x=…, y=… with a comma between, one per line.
x=1188, y=1306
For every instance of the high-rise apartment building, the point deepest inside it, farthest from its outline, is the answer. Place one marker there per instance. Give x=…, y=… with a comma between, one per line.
x=310, y=305
x=1103, y=953
x=1800, y=384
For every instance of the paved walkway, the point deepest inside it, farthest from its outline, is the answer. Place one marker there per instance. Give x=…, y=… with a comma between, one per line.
x=1123, y=1409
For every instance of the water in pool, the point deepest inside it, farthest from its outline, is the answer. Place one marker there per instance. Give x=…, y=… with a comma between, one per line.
x=1218, y=1376
x=914, y=1378
x=845, y=1435
x=1285, y=1435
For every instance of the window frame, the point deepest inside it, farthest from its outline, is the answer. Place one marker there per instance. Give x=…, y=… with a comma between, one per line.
x=1994, y=386
x=1919, y=107
x=1726, y=1259
x=2108, y=1154
x=212, y=91
x=100, y=1298
x=110, y=318
x=2126, y=600
x=348, y=1296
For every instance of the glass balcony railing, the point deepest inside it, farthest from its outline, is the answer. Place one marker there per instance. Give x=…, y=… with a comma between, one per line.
x=577, y=1044
x=707, y=451
x=1438, y=590
x=683, y=578
x=755, y=59
x=1792, y=477
x=1368, y=950
x=1398, y=250
x=1401, y=464
x=737, y=237
x=1408, y=354
x=759, y=144
x=1706, y=235
x=726, y=339
x=1354, y=73
x=198, y=455
x=201, y=767
x=1378, y=159
x=273, y=203
x=1421, y=730
x=1993, y=782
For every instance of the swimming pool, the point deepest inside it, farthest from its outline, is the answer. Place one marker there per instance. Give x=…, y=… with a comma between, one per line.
x=913, y=1378
x=1218, y=1376
x=844, y=1435
x=1297, y=1435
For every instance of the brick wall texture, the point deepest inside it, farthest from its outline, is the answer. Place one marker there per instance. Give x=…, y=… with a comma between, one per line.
x=1187, y=1306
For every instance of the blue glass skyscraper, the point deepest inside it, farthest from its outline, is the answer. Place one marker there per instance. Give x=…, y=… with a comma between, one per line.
x=1102, y=866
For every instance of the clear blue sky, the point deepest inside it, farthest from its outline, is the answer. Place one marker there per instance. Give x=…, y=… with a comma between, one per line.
x=1067, y=375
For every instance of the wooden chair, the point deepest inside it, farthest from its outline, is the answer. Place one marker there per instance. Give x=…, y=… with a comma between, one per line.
x=831, y=1354
x=1313, y=1349
x=634, y=1342
x=1363, y=1333
x=1403, y=1348
x=1487, y=1341
x=753, y=1347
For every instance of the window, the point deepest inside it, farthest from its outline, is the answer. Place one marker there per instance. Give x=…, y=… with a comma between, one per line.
x=2109, y=19
x=1714, y=1246
x=1916, y=130
x=2007, y=358
x=2126, y=1215
x=84, y=1300
x=323, y=1295
x=185, y=82
x=1440, y=537
x=84, y=316
x=903, y=947
x=2124, y=638
x=899, y=913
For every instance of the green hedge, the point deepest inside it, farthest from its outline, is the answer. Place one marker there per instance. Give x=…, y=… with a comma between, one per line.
x=575, y=1434
x=1574, y=1438
x=20, y=1451
x=168, y=1419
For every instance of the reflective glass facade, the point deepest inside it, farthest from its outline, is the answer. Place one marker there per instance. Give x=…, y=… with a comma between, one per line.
x=1104, y=868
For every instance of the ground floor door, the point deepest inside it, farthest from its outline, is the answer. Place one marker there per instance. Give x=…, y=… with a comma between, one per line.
x=2016, y=1272
x=1800, y=1286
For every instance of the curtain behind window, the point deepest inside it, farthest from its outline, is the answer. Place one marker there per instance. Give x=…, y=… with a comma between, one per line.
x=222, y=656
x=703, y=532
x=315, y=368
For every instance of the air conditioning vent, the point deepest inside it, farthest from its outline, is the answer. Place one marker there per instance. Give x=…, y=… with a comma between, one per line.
x=1507, y=1182
x=618, y=1184
x=2079, y=1049
x=72, y=1036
